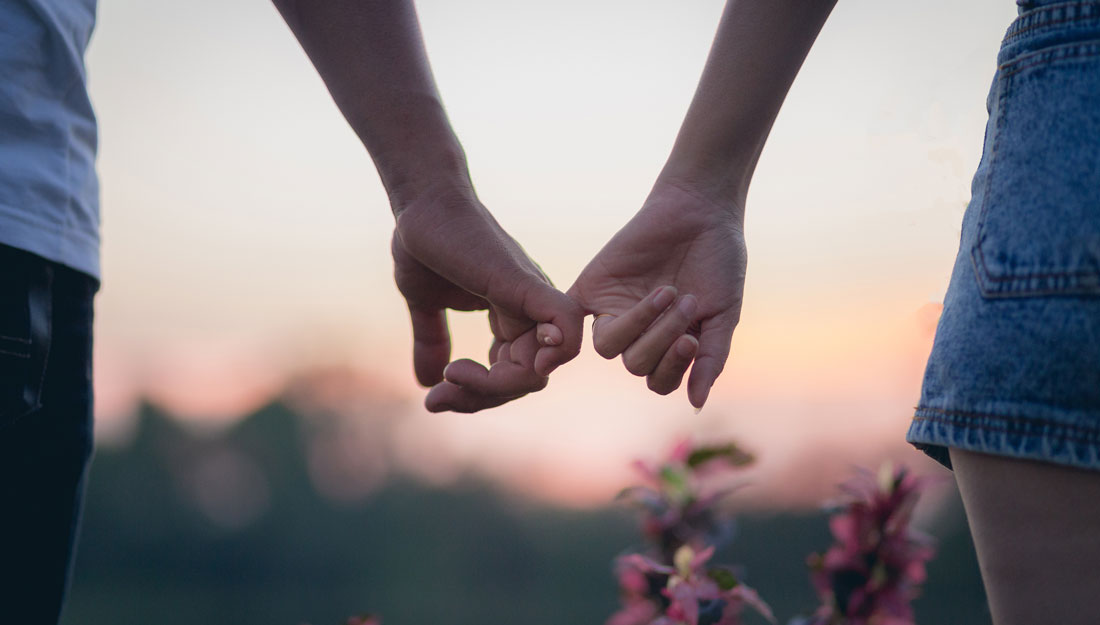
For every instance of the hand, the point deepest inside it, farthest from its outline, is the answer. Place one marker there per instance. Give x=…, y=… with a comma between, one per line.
x=667, y=289
x=449, y=252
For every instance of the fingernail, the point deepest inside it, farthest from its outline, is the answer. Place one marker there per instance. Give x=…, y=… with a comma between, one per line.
x=549, y=340
x=664, y=297
x=687, y=306
x=706, y=395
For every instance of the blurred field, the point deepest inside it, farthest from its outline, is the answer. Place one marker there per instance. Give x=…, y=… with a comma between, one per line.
x=186, y=527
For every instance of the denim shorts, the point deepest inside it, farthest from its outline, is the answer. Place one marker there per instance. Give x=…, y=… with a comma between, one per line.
x=1015, y=366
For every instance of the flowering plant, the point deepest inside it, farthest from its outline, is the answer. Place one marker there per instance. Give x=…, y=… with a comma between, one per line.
x=873, y=571
x=671, y=581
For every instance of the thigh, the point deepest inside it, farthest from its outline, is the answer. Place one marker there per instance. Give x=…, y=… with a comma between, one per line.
x=1036, y=528
x=45, y=429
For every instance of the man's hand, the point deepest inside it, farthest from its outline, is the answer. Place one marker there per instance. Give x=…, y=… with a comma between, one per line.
x=449, y=252
x=667, y=289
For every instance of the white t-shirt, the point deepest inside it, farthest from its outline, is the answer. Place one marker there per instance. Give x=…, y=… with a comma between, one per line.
x=49, y=193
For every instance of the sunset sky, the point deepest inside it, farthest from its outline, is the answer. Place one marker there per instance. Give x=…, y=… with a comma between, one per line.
x=246, y=233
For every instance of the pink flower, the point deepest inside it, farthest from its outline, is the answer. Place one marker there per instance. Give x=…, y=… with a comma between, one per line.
x=690, y=590
x=671, y=584
x=875, y=567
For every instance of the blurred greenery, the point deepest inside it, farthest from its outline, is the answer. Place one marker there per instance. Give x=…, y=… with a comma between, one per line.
x=462, y=555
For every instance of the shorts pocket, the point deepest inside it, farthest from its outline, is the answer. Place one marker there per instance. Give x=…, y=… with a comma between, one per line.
x=25, y=312
x=1039, y=225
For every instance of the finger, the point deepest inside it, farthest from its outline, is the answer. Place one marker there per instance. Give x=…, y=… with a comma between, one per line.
x=674, y=364
x=546, y=304
x=503, y=379
x=446, y=396
x=549, y=334
x=642, y=356
x=611, y=335
x=714, y=348
x=495, y=349
x=431, y=344
x=512, y=374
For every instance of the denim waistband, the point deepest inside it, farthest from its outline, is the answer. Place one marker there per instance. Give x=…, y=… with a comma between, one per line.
x=1044, y=24
x=1028, y=5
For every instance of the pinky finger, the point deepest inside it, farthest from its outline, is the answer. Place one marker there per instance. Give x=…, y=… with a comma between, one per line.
x=673, y=365
x=549, y=334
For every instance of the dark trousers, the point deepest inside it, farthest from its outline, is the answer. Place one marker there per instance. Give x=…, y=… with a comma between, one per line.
x=45, y=430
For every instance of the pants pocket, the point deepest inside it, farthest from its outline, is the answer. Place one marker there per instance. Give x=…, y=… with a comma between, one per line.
x=25, y=319
x=1039, y=225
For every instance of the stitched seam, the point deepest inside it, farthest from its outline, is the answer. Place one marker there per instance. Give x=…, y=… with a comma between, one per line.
x=16, y=354
x=16, y=339
x=1002, y=101
x=1070, y=437
x=1044, y=57
x=1033, y=26
x=1002, y=114
x=1061, y=274
x=49, y=341
x=1016, y=420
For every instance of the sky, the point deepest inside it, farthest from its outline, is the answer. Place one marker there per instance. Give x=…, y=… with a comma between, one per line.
x=246, y=232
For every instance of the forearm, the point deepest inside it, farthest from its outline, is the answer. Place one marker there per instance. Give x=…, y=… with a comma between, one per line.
x=758, y=50
x=371, y=56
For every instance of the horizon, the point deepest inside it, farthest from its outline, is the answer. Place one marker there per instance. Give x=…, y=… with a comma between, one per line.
x=246, y=233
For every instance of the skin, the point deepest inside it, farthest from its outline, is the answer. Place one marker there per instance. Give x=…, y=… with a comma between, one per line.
x=1034, y=523
x=448, y=250
x=1034, y=528
x=667, y=288
x=689, y=233
x=676, y=239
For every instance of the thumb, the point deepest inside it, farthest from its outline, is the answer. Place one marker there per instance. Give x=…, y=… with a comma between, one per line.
x=560, y=326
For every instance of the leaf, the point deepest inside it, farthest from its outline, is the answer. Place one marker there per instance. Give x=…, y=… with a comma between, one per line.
x=643, y=496
x=725, y=578
x=675, y=482
x=730, y=452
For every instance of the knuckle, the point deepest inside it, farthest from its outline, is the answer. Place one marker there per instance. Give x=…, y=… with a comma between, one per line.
x=603, y=349
x=635, y=365
x=659, y=386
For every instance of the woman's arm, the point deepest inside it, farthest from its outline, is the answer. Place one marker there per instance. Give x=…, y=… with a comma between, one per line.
x=758, y=50
x=689, y=232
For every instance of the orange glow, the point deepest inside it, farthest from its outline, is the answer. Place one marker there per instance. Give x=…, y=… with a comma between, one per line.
x=243, y=253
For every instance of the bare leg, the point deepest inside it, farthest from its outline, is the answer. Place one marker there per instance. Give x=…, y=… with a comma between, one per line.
x=1036, y=528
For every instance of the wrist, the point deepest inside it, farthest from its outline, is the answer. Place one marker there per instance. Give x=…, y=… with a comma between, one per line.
x=721, y=177
x=713, y=190
x=433, y=177
x=414, y=149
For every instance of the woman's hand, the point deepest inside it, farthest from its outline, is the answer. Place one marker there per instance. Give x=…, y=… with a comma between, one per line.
x=667, y=288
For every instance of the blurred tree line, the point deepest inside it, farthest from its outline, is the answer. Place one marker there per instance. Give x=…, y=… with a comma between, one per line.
x=185, y=527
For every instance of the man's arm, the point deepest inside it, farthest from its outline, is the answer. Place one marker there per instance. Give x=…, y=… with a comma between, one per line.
x=371, y=57
x=689, y=233
x=448, y=250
